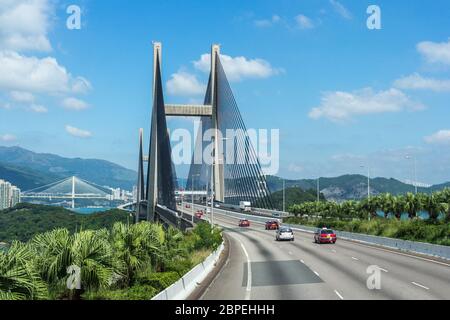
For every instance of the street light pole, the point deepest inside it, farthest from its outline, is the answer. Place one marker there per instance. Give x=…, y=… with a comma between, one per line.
x=284, y=195
x=415, y=171
x=318, y=189
x=192, y=195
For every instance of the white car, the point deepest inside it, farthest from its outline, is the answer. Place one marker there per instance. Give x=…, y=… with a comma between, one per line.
x=285, y=234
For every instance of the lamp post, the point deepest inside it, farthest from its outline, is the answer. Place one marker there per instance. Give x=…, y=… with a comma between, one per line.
x=368, y=187
x=415, y=171
x=192, y=195
x=318, y=189
x=284, y=195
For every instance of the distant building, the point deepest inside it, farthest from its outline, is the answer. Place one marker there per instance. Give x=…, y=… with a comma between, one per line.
x=9, y=195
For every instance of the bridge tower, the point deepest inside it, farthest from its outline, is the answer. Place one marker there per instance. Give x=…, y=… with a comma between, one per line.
x=219, y=112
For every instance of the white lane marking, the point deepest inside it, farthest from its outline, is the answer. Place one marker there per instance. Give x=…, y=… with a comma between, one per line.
x=249, y=273
x=317, y=274
x=302, y=261
x=356, y=259
x=339, y=295
x=347, y=240
x=290, y=252
x=419, y=285
x=332, y=250
x=384, y=270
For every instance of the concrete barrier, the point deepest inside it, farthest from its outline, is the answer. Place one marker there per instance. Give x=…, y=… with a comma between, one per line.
x=181, y=289
x=429, y=249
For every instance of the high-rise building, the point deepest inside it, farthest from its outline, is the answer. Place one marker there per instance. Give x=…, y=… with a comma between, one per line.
x=9, y=195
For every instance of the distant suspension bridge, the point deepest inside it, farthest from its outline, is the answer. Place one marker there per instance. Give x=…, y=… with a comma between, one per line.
x=69, y=189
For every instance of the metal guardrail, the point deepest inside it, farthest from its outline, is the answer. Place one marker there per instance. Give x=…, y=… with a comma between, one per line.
x=184, y=287
x=429, y=249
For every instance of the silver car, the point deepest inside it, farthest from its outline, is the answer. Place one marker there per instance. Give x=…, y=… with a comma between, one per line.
x=285, y=234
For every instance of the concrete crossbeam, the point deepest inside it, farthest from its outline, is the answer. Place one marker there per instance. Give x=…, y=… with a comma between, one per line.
x=188, y=110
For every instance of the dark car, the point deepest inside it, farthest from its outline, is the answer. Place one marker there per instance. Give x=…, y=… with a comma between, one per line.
x=244, y=223
x=272, y=225
x=325, y=235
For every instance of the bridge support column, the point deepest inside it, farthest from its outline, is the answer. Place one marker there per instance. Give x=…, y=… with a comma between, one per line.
x=152, y=174
x=218, y=172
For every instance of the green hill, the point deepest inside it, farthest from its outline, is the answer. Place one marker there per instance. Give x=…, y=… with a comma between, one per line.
x=25, y=220
x=294, y=195
x=350, y=187
x=37, y=166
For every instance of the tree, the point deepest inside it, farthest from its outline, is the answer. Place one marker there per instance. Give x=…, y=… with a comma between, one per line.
x=412, y=205
x=90, y=251
x=19, y=280
x=433, y=206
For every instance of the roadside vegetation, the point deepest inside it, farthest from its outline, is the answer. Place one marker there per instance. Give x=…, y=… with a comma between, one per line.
x=421, y=217
x=128, y=262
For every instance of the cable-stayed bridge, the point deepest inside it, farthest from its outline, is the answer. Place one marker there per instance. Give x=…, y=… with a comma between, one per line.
x=225, y=179
x=71, y=188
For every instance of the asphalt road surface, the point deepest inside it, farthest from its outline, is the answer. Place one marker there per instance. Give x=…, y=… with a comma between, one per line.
x=260, y=268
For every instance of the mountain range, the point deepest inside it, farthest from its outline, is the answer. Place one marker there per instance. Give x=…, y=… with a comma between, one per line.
x=28, y=170
x=350, y=187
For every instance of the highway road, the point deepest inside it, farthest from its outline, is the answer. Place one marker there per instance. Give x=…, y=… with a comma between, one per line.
x=260, y=268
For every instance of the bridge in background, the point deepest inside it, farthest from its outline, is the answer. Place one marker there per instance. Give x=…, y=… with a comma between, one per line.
x=68, y=189
x=225, y=180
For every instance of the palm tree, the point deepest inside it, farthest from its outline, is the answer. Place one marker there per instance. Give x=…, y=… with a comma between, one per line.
x=370, y=206
x=412, y=205
x=398, y=206
x=433, y=206
x=90, y=251
x=136, y=247
x=387, y=204
x=19, y=280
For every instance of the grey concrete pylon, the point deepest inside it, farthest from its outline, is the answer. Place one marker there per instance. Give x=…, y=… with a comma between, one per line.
x=218, y=165
x=140, y=183
x=152, y=173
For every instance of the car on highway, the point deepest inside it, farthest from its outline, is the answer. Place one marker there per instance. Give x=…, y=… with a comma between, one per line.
x=285, y=234
x=272, y=225
x=199, y=214
x=244, y=223
x=325, y=235
x=188, y=206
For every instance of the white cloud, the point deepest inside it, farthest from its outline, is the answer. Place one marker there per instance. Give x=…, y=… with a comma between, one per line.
x=24, y=25
x=38, y=108
x=8, y=137
x=303, y=22
x=74, y=104
x=32, y=74
x=264, y=23
x=22, y=97
x=342, y=106
x=434, y=52
x=239, y=68
x=79, y=133
x=340, y=9
x=440, y=137
x=185, y=84
x=417, y=82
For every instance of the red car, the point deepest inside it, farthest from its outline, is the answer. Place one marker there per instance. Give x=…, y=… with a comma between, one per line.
x=244, y=223
x=199, y=214
x=188, y=206
x=272, y=225
x=325, y=235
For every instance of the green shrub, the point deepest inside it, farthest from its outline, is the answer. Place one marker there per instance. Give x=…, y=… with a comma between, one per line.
x=158, y=280
x=137, y=292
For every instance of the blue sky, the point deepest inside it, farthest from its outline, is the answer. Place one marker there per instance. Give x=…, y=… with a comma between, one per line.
x=342, y=95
